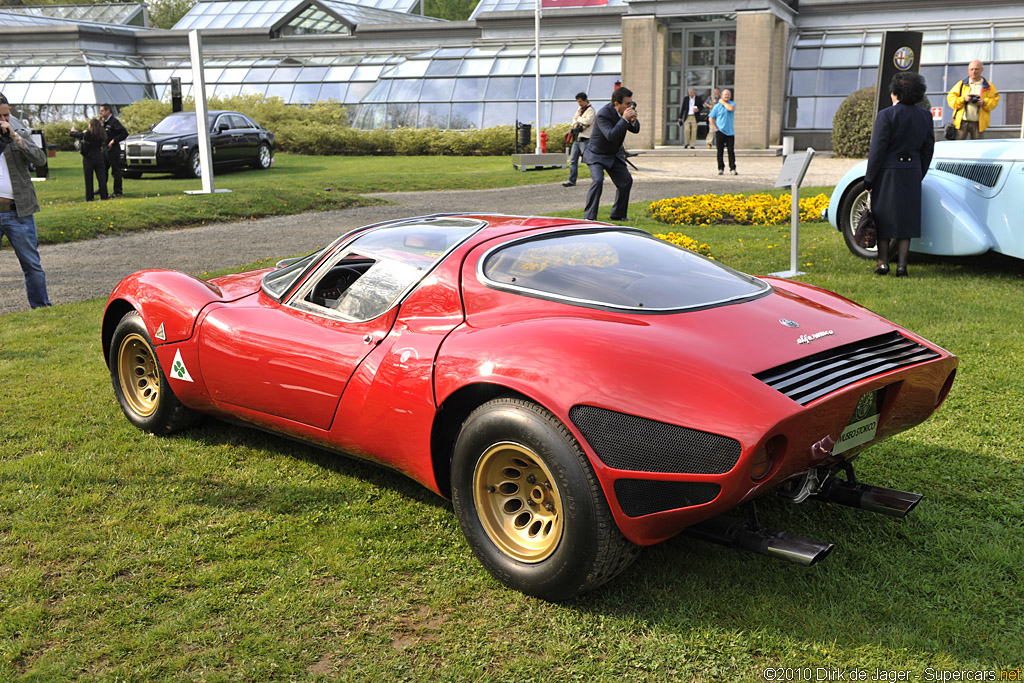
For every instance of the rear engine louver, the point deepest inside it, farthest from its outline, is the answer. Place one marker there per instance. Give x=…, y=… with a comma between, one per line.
x=983, y=174
x=628, y=442
x=812, y=377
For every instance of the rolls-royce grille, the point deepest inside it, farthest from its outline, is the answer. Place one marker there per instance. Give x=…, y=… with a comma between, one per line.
x=983, y=174
x=141, y=149
x=627, y=442
x=638, y=497
x=812, y=377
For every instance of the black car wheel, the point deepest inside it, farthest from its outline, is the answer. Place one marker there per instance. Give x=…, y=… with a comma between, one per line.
x=195, y=165
x=850, y=209
x=139, y=383
x=263, y=157
x=530, y=505
x=132, y=175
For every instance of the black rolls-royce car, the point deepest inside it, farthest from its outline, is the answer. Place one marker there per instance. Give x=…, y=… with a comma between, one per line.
x=172, y=146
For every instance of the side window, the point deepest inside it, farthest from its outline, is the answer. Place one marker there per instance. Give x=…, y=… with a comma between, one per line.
x=360, y=287
x=245, y=122
x=223, y=119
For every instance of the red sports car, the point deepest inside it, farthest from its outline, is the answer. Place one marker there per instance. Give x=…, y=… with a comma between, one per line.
x=577, y=389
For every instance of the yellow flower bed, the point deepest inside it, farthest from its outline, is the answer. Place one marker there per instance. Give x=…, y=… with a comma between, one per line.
x=682, y=240
x=757, y=209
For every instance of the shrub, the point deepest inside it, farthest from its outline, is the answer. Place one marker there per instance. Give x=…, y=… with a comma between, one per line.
x=58, y=133
x=853, y=122
x=323, y=128
x=851, y=127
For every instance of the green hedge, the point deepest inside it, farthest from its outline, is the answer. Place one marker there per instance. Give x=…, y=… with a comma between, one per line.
x=854, y=121
x=323, y=129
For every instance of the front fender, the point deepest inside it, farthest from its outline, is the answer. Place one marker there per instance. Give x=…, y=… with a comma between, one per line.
x=164, y=298
x=836, y=200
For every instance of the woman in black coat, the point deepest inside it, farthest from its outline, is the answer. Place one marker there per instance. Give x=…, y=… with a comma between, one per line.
x=901, y=150
x=93, y=142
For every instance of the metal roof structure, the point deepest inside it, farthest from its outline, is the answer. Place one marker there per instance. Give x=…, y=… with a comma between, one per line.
x=119, y=13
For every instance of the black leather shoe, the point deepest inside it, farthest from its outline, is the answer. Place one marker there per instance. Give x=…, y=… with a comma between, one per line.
x=568, y=184
x=883, y=269
x=901, y=271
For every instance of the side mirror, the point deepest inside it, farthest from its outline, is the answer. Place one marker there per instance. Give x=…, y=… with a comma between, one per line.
x=152, y=126
x=222, y=127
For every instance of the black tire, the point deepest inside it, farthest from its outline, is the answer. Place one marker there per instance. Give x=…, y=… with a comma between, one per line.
x=850, y=209
x=132, y=175
x=530, y=505
x=195, y=166
x=140, y=385
x=264, y=157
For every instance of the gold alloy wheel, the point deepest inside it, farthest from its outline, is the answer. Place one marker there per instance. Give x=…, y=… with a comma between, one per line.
x=518, y=502
x=139, y=375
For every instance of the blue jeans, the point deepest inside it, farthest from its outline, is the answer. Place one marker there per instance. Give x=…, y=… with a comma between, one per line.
x=578, y=148
x=21, y=233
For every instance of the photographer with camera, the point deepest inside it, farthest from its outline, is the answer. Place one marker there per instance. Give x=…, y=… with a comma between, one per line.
x=582, y=121
x=606, y=153
x=18, y=201
x=971, y=100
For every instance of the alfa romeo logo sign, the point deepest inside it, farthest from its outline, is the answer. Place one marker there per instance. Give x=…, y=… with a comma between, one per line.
x=903, y=58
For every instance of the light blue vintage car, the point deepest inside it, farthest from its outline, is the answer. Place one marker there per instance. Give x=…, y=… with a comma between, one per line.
x=972, y=200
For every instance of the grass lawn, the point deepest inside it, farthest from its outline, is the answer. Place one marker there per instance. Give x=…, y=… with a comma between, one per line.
x=295, y=184
x=225, y=554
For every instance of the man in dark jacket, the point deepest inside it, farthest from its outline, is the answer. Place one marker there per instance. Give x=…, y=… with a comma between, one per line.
x=606, y=153
x=689, y=116
x=112, y=154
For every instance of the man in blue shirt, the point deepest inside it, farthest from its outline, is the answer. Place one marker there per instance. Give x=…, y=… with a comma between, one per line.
x=721, y=122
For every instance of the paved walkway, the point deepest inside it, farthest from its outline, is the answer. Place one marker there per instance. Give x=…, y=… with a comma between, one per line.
x=85, y=270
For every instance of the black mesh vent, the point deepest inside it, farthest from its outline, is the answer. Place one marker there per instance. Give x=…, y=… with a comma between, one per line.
x=627, y=442
x=814, y=376
x=639, y=497
x=984, y=174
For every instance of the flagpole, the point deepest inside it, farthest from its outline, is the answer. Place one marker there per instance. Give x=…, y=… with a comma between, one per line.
x=536, y=63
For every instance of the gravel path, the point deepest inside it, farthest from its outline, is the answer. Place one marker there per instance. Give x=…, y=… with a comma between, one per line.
x=85, y=270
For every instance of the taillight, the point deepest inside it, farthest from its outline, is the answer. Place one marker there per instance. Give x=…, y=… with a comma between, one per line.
x=764, y=458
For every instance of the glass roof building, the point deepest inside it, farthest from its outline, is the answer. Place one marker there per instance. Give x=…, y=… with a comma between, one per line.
x=789, y=64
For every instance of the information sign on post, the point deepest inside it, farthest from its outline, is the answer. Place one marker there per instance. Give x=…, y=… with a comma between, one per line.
x=794, y=168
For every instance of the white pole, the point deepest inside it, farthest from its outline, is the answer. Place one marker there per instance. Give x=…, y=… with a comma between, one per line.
x=536, y=63
x=195, y=45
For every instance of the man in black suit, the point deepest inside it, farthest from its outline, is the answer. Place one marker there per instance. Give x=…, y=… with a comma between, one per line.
x=689, y=116
x=606, y=153
x=112, y=154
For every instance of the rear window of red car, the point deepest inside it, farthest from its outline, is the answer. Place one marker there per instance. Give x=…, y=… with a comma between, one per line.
x=621, y=269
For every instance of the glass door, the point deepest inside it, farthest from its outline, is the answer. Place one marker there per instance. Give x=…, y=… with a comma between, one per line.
x=701, y=56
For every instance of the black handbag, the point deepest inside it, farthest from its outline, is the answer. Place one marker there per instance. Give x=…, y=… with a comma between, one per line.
x=950, y=133
x=866, y=235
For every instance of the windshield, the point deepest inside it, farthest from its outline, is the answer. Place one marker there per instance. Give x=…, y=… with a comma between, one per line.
x=616, y=269
x=180, y=124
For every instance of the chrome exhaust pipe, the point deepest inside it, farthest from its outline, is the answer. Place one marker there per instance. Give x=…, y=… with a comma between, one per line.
x=890, y=502
x=743, y=535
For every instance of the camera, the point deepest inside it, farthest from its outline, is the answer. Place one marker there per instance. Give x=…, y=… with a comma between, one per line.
x=975, y=98
x=635, y=105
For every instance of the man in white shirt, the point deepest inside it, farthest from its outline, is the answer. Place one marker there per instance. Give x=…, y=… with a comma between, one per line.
x=18, y=201
x=693, y=105
x=582, y=122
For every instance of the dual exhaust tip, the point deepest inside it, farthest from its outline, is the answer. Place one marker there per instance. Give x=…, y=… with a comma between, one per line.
x=749, y=535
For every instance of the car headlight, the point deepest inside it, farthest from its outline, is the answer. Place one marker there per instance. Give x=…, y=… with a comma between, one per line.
x=170, y=147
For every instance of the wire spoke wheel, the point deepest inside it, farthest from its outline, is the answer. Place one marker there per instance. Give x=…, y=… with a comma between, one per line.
x=518, y=502
x=139, y=375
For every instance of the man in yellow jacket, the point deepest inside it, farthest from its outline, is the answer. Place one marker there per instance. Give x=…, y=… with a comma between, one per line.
x=971, y=100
